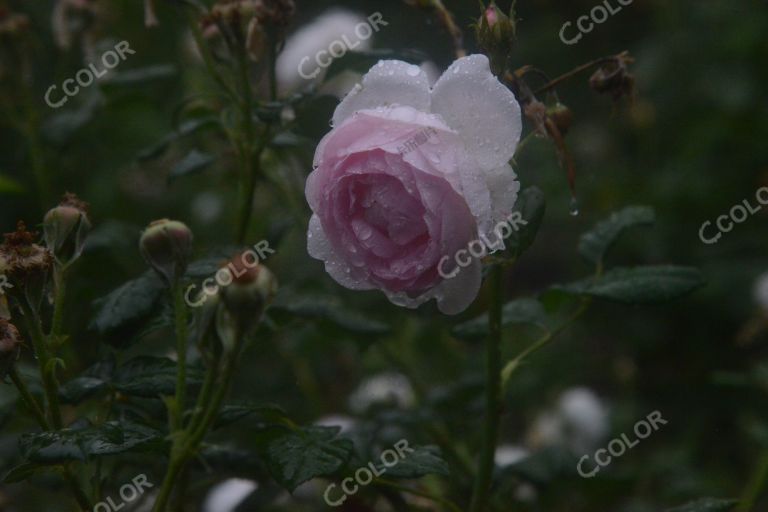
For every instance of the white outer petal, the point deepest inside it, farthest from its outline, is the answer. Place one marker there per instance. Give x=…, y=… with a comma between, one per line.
x=389, y=82
x=483, y=110
x=320, y=248
x=453, y=295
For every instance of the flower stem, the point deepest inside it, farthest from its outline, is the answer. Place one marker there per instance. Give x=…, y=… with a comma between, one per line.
x=28, y=398
x=180, y=315
x=437, y=499
x=492, y=392
x=60, y=283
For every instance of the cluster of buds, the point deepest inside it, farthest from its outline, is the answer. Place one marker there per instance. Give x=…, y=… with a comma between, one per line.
x=65, y=229
x=166, y=246
x=495, y=32
x=255, y=19
x=613, y=77
x=10, y=347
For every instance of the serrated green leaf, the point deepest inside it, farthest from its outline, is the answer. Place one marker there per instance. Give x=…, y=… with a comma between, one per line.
x=520, y=311
x=131, y=302
x=68, y=444
x=149, y=377
x=296, y=456
x=27, y=470
x=139, y=75
x=706, y=505
x=234, y=412
x=195, y=161
x=326, y=308
x=421, y=461
x=594, y=244
x=639, y=285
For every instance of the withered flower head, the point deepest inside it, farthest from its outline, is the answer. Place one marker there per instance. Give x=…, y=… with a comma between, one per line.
x=10, y=347
x=614, y=78
x=21, y=259
x=12, y=24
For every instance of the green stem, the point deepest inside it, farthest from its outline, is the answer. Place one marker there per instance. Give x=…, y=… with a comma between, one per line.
x=755, y=484
x=28, y=398
x=186, y=444
x=492, y=392
x=60, y=282
x=393, y=485
x=47, y=371
x=180, y=315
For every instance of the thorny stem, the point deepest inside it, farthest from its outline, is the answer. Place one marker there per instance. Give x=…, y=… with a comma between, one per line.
x=492, y=391
x=446, y=18
x=28, y=398
x=562, y=78
x=185, y=444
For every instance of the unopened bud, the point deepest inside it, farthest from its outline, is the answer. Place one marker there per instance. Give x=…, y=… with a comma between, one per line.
x=166, y=246
x=10, y=347
x=252, y=289
x=65, y=228
x=495, y=32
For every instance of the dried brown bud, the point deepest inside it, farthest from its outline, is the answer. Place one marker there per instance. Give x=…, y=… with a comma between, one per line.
x=614, y=78
x=562, y=116
x=10, y=347
x=22, y=260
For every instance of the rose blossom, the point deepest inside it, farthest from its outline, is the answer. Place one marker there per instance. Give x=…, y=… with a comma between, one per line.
x=411, y=174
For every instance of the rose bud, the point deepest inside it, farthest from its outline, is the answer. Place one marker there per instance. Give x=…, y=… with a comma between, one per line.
x=244, y=300
x=166, y=246
x=495, y=33
x=65, y=228
x=10, y=347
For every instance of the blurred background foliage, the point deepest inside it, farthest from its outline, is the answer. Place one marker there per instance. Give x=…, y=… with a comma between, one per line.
x=692, y=144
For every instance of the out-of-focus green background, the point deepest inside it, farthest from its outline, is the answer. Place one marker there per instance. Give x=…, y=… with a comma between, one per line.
x=692, y=144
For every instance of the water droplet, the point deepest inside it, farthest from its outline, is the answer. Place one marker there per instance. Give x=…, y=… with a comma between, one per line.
x=413, y=71
x=574, y=207
x=330, y=123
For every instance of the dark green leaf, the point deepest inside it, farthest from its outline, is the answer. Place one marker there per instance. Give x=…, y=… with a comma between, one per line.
x=639, y=285
x=185, y=128
x=194, y=162
x=26, y=471
x=9, y=185
x=520, y=311
x=149, y=377
x=594, y=244
x=531, y=205
x=296, y=456
x=234, y=412
x=131, y=302
x=140, y=75
x=328, y=309
x=81, y=388
x=544, y=466
x=706, y=505
x=78, y=444
x=422, y=460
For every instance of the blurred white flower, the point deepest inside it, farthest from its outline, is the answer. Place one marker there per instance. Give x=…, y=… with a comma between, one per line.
x=312, y=38
x=760, y=292
x=578, y=422
x=347, y=423
x=508, y=454
x=226, y=496
x=382, y=388
x=207, y=207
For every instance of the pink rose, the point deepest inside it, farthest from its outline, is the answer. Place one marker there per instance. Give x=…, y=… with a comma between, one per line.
x=409, y=176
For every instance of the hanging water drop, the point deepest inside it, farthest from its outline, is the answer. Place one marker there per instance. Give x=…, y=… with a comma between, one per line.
x=574, y=208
